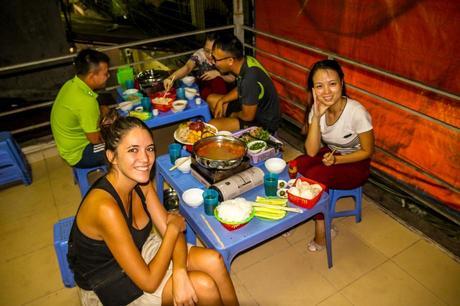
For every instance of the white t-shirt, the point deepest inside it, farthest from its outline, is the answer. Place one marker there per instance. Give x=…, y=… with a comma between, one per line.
x=343, y=134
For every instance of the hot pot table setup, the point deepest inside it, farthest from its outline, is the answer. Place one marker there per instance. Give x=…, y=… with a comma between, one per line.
x=158, y=106
x=221, y=166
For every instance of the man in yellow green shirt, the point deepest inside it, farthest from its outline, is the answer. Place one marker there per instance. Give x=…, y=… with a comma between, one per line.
x=75, y=114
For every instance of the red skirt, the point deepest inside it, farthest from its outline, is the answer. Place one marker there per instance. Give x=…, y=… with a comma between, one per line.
x=341, y=176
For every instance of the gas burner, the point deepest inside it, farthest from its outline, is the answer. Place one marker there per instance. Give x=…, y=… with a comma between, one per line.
x=212, y=176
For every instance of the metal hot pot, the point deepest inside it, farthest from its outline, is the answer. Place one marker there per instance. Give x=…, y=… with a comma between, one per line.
x=151, y=81
x=219, y=152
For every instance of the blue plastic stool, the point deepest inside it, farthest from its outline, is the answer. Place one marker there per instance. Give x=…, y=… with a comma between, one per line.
x=13, y=165
x=81, y=177
x=335, y=194
x=61, y=232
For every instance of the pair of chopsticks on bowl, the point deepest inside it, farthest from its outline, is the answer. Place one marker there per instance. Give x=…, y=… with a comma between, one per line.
x=179, y=164
x=169, y=87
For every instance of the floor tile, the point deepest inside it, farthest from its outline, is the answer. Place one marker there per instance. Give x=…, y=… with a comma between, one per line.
x=352, y=258
x=244, y=297
x=25, y=235
x=22, y=201
x=256, y=254
x=336, y=300
x=389, y=285
x=303, y=232
x=286, y=278
x=29, y=277
x=66, y=296
x=381, y=231
x=431, y=267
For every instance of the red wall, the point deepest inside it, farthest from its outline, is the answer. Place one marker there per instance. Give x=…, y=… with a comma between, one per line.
x=417, y=131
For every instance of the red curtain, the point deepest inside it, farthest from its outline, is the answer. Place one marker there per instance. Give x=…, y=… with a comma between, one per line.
x=417, y=131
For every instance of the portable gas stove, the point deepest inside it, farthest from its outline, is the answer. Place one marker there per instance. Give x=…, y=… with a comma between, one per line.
x=212, y=176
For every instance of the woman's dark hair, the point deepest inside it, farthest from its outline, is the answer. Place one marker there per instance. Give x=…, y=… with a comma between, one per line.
x=212, y=36
x=113, y=134
x=330, y=65
x=88, y=60
x=229, y=44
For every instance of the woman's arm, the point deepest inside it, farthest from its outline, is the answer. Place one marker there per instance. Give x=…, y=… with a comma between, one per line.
x=183, y=290
x=366, y=140
x=179, y=73
x=313, y=141
x=107, y=221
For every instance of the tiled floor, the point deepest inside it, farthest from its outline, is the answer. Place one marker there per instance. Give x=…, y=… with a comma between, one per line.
x=376, y=262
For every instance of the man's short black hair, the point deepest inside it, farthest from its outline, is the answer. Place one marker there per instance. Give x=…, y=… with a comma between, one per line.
x=88, y=60
x=230, y=44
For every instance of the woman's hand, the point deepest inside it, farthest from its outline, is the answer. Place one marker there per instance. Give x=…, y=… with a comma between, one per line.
x=209, y=75
x=328, y=159
x=183, y=291
x=318, y=108
x=167, y=83
x=176, y=221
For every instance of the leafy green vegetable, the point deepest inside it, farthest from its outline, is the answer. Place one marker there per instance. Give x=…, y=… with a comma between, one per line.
x=257, y=146
x=260, y=133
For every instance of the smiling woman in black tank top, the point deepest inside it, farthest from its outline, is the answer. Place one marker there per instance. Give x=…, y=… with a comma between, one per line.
x=113, y=225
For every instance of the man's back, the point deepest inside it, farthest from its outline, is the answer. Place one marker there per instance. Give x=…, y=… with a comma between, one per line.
x=256, y=86
x=75, y=112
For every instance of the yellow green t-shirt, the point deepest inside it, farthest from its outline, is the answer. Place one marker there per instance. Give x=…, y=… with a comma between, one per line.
x=75, y=112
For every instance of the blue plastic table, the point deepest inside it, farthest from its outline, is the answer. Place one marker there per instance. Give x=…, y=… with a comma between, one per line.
x=191, y=111
x=241, y=239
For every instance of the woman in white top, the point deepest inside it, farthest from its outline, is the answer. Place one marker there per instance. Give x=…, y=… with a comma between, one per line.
x=340, y=137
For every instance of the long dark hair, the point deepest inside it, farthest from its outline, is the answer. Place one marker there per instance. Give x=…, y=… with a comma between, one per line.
x=114, y=133
x=326, y=64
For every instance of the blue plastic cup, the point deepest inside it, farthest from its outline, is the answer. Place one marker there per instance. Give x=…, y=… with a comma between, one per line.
x=210, y=200
x=270, y=184
x=174, y=152
x=146, y=104
x=180, y=93
x=129, y=84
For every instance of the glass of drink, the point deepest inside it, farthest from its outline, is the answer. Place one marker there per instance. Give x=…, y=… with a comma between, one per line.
x=210, y=199
x=270, y=184
x=174, y=152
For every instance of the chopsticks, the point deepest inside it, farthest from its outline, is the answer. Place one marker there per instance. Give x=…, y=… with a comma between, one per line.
x=169, y=87
x=179, y=164
x=291, y=209
x=212, y=231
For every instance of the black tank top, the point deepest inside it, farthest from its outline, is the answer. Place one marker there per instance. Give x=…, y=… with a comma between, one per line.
x=89, y=253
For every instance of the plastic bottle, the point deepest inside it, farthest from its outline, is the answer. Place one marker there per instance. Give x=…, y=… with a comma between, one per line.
x=292, y=170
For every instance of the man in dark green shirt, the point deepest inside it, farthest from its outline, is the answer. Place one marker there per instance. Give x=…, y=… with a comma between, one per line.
x=254, y=102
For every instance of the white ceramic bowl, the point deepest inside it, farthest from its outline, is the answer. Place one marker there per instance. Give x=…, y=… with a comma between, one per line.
x=275, y=165
x=193, y=197
x=126, y=106
x=184, y=164
x=224, y=133
x=129, y=92
x=179, y=105
x=190, y=93
x=188, y=80
x=256, y=146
